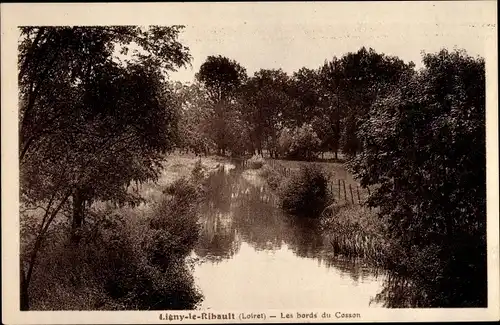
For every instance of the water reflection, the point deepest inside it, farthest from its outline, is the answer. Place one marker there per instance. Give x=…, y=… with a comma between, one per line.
x=248, y=242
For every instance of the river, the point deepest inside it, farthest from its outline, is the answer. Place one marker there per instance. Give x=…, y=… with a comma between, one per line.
x=251, y=255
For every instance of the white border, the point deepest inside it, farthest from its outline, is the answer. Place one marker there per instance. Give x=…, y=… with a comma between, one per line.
x=13, y=15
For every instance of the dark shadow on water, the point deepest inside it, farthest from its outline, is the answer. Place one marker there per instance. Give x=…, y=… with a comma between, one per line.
x=240, y=210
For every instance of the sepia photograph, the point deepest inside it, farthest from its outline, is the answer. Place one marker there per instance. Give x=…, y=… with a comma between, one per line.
x=252, y=166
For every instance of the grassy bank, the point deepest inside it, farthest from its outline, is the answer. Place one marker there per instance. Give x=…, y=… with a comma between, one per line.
x=177, y=166
x=447, y=271
x=354, y=231
x=129, y=258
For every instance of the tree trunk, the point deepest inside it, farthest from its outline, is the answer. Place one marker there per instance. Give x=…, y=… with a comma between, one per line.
x=24, y=295
x=25, y=277
x=78, y=215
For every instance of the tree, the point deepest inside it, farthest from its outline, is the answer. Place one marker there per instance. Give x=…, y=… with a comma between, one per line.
x=425, y=148
x=195, y=132
x=299, y=142
x=266, y=98
x=355, y=81
x=222, y=78
x=91, y=123
x=332, y=106
x=306, y=91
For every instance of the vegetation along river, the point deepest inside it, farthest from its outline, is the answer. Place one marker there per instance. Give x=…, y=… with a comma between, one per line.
x=252, y=255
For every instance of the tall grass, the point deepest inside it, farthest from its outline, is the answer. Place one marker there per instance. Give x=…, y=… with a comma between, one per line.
x=355, y=231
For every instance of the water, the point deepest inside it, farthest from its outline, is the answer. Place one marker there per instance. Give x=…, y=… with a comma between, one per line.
x=252, y=255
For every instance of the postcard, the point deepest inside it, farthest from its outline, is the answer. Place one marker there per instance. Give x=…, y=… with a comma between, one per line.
x=249, y=162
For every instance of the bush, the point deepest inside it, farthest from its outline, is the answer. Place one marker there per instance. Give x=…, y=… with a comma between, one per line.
x=174, y=227
x=198, y=172
x=272, y=176
x=256, y=162
x=299, y=143
x=125, y=261
x=306, y=193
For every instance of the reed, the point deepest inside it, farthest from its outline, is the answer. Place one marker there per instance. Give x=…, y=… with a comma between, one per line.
x=356, y=232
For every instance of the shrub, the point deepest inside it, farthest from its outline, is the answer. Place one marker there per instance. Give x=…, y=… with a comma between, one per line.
x=125, y=261
x=301, y=143
x=256, y=162
x=272, y=176
x=198, y=172
x=306, y=193
x=174, y=227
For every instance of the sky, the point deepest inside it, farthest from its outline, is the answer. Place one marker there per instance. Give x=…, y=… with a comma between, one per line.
x=290, y=35
x=279, y=41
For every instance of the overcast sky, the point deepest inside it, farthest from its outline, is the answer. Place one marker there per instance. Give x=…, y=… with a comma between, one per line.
x=288, y=35
x=279, y=41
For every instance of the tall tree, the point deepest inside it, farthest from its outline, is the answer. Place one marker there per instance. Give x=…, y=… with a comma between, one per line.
x=266, y=100
x=196, y=112
x=91, y=123
x=222, y=79
x=306, y=91
x=357, y=80
x=425, y=148
x=332, y=106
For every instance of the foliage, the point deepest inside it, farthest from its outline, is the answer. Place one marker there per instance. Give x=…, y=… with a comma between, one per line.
x=334, y=99
x=425, y=146
x=195, y=126
x=265, y=99
x=198, y=172
x=355, y=81
x=120, y=118
x=306, y=192
x=238, y=133
x=125, y=261
x=222, y=79
x=256, y=162
x=221, y=76
x=174, y=223
x=357, y=232
x=307, y=93
x=272, y=176
x=301, y=142
x=91, y=123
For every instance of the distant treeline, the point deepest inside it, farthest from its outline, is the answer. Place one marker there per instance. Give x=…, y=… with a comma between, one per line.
x=296, y=116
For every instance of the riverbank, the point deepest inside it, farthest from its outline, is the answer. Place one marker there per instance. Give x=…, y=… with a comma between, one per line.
x=414, y=277
x=129, y=256
x=353, y=230
x=175, y=167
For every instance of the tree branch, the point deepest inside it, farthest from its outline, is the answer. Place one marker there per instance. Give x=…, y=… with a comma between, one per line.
x=27, y=58
x=34, y=94
x=41, y=235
